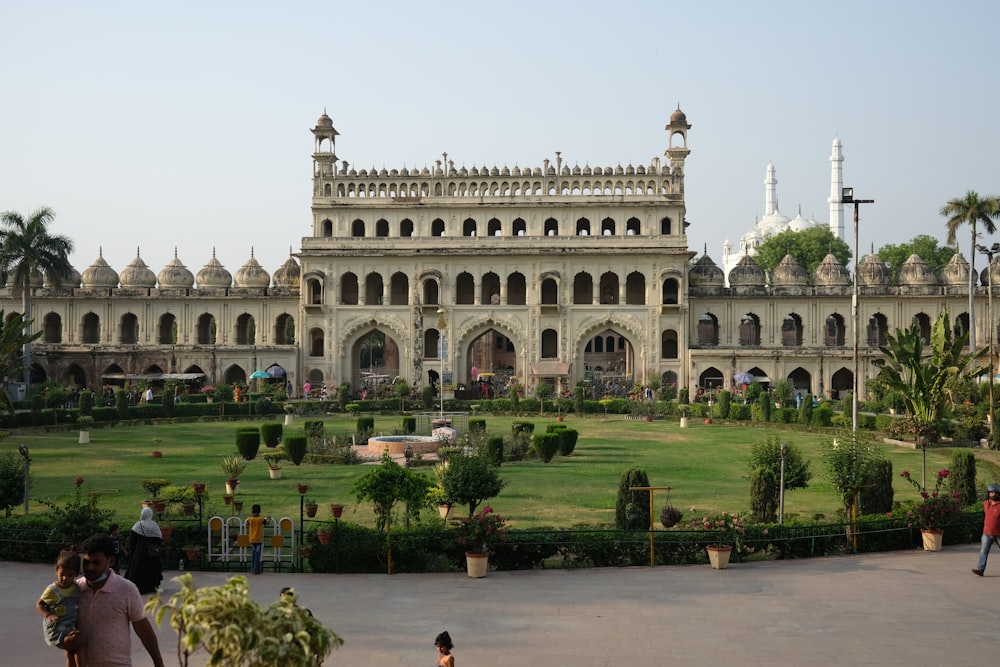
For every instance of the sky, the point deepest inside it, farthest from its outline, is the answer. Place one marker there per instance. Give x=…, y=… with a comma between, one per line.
x=184, y=126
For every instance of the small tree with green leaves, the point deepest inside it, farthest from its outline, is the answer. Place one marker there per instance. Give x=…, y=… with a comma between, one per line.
x=763, y=495
x=388, y=484
x=472, y=478
x=11, y=481
x=877, y=496
x=632, y=507
x=767, y=455
x=962, y=480
x=542, y=392
x=851, y=459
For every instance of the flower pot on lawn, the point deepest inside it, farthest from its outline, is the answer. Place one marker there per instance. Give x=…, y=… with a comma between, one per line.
x=84, y=438
x=289, y=419
x=159, y=505
x=476, y=565
x=444, y=509
x=233, y=487
x=303, y=488
x=718, y=557
x=238, y=506
x=157, y=454
x=228, y=499
x=199, y=488
x=275, y=473
x=932, y=538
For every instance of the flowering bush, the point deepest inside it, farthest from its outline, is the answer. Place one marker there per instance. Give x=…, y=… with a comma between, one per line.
x=729, y=528
x=937, y=509
x=482, y=531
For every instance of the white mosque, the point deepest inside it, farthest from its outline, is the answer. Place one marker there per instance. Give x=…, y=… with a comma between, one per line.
x=774, y=222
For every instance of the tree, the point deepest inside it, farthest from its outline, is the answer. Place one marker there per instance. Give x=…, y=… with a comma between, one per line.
x=632, y=507
x=923, y=245
x=852, y=459
x=767, y=455
x=924, y=380
x=808, y=247
x=11, y=482
x=13, y=337
x=26, y=251
x=390, y=483
x=472, y=478
x=971, y=210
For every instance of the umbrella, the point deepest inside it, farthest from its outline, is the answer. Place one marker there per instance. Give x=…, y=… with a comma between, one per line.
x=275, y=371
x=743, y=378
x=259, y=375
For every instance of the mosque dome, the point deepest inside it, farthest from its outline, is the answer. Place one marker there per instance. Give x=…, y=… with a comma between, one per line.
x=746, y=273
x=831, y=273
x=705, y=273
x=288, y=274
x=956, y=271
x=252, y=274
x=799, y=224
x=137, y=274
x=873, y=273
x=71, y=280
x=99, y=274
x=324, y=122
x=915, y=271
x=984, y=275
x=175, y=275
x=678, y=116
x=788, y=273
x=213, y=274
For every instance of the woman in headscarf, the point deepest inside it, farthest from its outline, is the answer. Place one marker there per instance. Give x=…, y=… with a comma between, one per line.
x=146, y=548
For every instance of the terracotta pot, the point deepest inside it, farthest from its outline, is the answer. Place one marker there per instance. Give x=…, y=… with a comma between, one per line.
x=147, y=503
x=166, y=531
x=933, y=537
x=199, y=488
x=157, y=454
x=193, y=554
x=649, y=419
x=476, y=565
x=303, y=488
x=336, y=510
x=559, y=419
x=159, y=505
x=311, y=510
x=188, y=508
x=324, y=538
x=719, y=557
x=708, y=420
x=238, y=506
x=228, y=499
x=305, y=552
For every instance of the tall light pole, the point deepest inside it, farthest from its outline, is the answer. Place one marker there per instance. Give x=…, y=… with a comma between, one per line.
x=990, y=252
x=781, y=492
x=442, y=351
x=23, y=450
x=847, y=197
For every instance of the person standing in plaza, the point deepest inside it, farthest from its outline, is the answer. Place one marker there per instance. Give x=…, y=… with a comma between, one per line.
x=255, y=529
x=991, y=526
x=444, y=646
x=110, y=608
x=145, y=548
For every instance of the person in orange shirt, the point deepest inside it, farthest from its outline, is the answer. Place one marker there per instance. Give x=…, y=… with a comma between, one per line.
x=255, y=528
x=991, y=526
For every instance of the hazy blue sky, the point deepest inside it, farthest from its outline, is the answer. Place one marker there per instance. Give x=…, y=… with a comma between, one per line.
x=186, y=124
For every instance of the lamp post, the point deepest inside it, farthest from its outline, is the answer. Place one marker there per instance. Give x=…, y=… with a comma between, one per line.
x=847, y=197
x=781, y=488
x=23, y=450
x=442, y=351
x=990, y=252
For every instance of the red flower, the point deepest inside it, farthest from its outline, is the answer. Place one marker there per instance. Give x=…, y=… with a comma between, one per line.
x=78, y=481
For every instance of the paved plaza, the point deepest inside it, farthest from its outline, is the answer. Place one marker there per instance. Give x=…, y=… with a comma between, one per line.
x=899, y=608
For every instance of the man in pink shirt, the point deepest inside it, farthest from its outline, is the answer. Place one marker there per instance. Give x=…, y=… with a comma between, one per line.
x=110, y=606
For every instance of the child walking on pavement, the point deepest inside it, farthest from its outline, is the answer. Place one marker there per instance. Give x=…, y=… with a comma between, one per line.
x=59, y=605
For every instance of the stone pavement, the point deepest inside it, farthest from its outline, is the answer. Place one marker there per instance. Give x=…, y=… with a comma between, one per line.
x=900, y=608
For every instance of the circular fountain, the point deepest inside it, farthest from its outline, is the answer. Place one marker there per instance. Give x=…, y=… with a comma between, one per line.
x=396, y=444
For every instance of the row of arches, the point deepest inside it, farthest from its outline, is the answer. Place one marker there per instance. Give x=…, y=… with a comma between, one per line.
x=490, y=289
x=128, y=332
x=494, y=227
x=841, y=381
x=834, y=333
x=574, y=188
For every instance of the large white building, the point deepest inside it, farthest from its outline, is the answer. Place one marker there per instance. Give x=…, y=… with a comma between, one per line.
x=551, y=272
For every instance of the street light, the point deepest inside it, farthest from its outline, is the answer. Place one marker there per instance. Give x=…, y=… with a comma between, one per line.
x=781, y=489
x=847, y=197
x=23, y=451
x=990, y=252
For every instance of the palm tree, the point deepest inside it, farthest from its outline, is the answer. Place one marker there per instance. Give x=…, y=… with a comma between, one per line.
x=971, y=210
x=26, y=250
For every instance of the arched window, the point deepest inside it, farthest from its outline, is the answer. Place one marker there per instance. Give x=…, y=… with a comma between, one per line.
x=206, y=330
x=167, y=333
x=668, y=344
x=284, y=330
x=91, y=331
x=246, y=330
x=316, y=342
x=550, y=344
x=749, y=330
x=53, y=328
x=708, y=330
x=550, y=292
x=128, y=329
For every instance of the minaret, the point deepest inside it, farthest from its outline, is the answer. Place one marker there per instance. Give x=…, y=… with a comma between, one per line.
x=770, y=192
x=325, y=151
x=836, y=187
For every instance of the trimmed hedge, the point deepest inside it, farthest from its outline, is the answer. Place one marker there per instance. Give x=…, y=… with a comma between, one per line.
x=248, y=442
x=270, y=433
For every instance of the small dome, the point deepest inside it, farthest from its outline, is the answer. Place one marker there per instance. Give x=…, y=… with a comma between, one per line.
x=915, y=272
x=984, y=275
x=831, y=273
x=252, y=274
x=705, y=273
x=213, y=274
x=324, y=122
x=99, y=274
x=678, y=116
x=789, y=273
x=746, y=273
x=70, y=280
x=288, y=274
x=137, y=274
x=956, y=271
x=175, y=275
x=873, y=273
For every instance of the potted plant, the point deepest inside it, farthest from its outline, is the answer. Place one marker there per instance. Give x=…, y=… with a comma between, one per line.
x=478, y=534
x=272, y=464
x=937, y=510
x=199, y=488
x=166, y=531
x=153, y=486
x=323, y=534
x=193, y=552
x=728, y=529
x=305, y=551
x=85, y=422
x=336, y=510
x=311, y=507
x=289, y=413
x=233, y=466
x=670, y=516
x=302, y=488
x=237, y=505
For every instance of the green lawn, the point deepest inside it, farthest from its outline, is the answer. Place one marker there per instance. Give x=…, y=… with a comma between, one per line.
x=705, y=464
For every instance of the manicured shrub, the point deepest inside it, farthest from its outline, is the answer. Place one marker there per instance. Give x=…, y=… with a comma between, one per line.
x=264, y=406
x=121, y=403
x=632, y=507
x=739, y=412
x=365, y=424
x=477, y=424
x=86, y=403
x=763, y=495
x=724, y=404
x=167, y=398
x=546, y=445
x=248, y=442
x=877, y=497
x=270, y=433
x=763, y=406
x=553, y=428
x=683, y=397
x=806, y=411
x=295, y=447
x=962, y=479
x=822, y=416
x=525, y=427
x=567, y=440
x=495, y=448
x=409, y=425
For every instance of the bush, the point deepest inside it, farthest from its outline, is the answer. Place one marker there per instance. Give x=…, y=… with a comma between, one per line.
x=877, y=497
x=632, y=507
x=365, y=424
x=86, y=403
x=248, y=442
x=477, y=424
x=409, y=425
x=962, y=480
x=567, y=440
x=270, y=433
x=295, y=447
x=121, y=403
x=167, y=401
x=763, y=495
x=264, y=406
x=522, y=427
x=739, y=412
x=821, y=416
x=546, y=445
x=806, y=411
x=724, y=404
